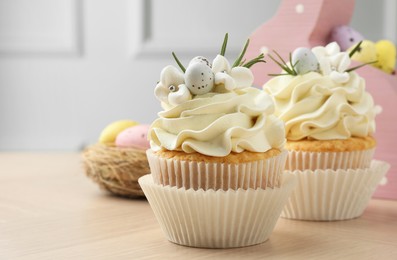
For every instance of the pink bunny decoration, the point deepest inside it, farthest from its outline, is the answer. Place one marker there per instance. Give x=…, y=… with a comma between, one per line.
x=306, y=23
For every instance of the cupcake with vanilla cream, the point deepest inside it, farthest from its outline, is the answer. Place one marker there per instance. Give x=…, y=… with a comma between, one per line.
x=328, y=115
x=330, y=121
x=217, y=146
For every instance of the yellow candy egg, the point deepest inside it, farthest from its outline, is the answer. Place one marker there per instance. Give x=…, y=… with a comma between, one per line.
x=109, y=134
x=386, y=56
x=366, y=53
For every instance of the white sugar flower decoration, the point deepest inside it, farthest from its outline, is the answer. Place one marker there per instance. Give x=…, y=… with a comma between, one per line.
x=171, y=89
x=231, y=78
x=333, y=62
x=200, y=77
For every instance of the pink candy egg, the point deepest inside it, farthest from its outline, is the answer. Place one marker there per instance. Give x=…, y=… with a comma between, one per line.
x=135, y=137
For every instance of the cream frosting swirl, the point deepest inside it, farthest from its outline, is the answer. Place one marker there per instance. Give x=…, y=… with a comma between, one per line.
x=316, y=106
x=216, y=124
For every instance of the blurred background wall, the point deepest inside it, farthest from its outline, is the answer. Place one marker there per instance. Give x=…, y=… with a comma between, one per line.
x=70, y=67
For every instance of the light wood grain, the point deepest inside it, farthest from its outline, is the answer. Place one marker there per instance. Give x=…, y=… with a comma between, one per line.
x=50, y=210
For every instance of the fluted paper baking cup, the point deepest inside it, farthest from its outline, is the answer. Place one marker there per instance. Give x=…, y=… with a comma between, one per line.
x=260, y=174
x=327, y=195
x=217, y=219
x=301, y=160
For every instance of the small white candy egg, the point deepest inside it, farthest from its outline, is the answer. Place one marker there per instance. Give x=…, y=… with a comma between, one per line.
x=307, y=60
x=199, y=78
x=200, y=59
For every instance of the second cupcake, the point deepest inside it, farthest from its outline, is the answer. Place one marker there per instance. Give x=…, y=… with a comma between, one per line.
x=330, y=122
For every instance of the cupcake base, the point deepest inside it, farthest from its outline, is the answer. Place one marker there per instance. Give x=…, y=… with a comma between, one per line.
x=303, y=160
x=259, y=174
x=327, y=195
x=217, y=219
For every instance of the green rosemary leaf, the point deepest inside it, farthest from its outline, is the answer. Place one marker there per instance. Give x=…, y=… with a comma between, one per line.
x=281, y=74
x=252, y=63
x=281, y=58
x=352, y=52
x=224, y=44
x=284, y=67
x=359, y=66
x=178, y=62
x=278, y=63
x=293, y=65
x=237, y=62
x=288, y=68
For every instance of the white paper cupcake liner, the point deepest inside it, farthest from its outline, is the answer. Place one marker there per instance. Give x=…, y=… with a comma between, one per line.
x=217, y=219
x=300, y=160
x=327, y=195
x=203, y=175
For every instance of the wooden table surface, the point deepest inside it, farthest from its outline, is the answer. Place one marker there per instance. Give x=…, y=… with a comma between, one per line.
x=50, y=210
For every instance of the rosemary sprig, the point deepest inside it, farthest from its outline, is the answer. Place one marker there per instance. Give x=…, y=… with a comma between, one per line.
x=240, y=57
x=359, y=66
x=275, y=75
x=281, y=58
x=289, y=69
x=254, y=61
x=238, y=62
x=279, y=64
x=355, y=49
x=178, y=62
x=292, y=64
x=242, y=62
x=224, y=44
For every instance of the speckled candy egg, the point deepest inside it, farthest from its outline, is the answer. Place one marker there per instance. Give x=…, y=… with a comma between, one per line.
x=199, y=78
x=345, y=36
x=201, y=59
x=134, y=137
x=306, y=59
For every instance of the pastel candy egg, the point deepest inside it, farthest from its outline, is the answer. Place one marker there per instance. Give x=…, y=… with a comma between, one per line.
x=134, y=137
x=305, y=60
x=110, y=132
x=366, y=52
x=345, y=36
x=200, y=59
x=199, y=78
x=386, y=56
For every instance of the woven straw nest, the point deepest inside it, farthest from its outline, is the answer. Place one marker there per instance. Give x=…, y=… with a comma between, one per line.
x=116, y=169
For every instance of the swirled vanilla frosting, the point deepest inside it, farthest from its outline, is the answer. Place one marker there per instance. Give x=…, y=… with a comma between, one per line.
x=213, y=110
x=326, y=104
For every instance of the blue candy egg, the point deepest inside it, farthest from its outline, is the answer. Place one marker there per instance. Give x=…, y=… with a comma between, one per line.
x=305, y=61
